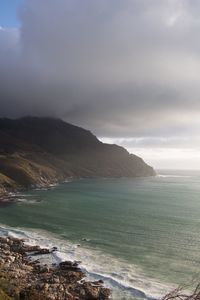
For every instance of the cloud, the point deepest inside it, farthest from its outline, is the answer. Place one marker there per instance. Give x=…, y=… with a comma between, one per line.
x=120, y=68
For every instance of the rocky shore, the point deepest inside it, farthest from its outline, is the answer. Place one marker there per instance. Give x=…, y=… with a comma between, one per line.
x=10, y=196
x=24, y=277
x=7, y=198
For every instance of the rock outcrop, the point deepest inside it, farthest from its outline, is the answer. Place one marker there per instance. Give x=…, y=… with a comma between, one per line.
x=25, y=279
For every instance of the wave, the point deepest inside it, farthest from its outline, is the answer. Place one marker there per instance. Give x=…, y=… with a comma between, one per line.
x=125, y=280
x=109, y=279
x=27, y=201
x=172, y=176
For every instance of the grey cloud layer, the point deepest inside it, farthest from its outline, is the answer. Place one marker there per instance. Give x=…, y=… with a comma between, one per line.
x=121, y=68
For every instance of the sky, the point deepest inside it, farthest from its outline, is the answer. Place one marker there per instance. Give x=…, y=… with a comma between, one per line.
x=8, y=13
x=128, y=70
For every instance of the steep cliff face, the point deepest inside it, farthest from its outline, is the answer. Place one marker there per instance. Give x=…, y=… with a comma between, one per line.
x=39, y=151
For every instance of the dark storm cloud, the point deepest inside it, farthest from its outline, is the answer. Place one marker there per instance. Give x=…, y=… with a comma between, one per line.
x=119, y=67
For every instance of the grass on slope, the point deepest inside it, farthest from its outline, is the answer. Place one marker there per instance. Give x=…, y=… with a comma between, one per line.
x=17, y=170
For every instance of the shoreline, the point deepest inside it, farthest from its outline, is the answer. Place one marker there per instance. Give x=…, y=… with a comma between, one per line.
x=75, y=252
x=9, y=196
x=28, y=278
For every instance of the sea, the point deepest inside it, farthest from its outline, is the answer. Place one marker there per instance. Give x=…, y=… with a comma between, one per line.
x=141, y=236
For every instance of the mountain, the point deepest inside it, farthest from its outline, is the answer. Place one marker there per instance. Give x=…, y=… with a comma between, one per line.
x=39, y=151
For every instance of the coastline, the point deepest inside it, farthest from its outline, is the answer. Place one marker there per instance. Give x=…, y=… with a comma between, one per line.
x=22, y=275
x=10, y=195
x=93, y=264
x=9, y=198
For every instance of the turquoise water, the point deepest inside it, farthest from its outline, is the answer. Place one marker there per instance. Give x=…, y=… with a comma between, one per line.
x=139, y=234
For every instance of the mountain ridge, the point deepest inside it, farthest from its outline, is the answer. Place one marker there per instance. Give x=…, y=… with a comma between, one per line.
x=38, y=151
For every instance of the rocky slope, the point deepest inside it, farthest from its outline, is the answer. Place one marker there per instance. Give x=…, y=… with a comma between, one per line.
x=40, y=151
x=22, y=278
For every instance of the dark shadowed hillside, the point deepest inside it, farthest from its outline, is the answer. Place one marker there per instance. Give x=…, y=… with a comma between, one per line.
x=40, y=151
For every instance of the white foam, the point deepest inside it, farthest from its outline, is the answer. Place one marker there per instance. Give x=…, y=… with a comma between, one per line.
x=67, y=181
x=26, y=201
x=126, y=281
x=172, y=176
